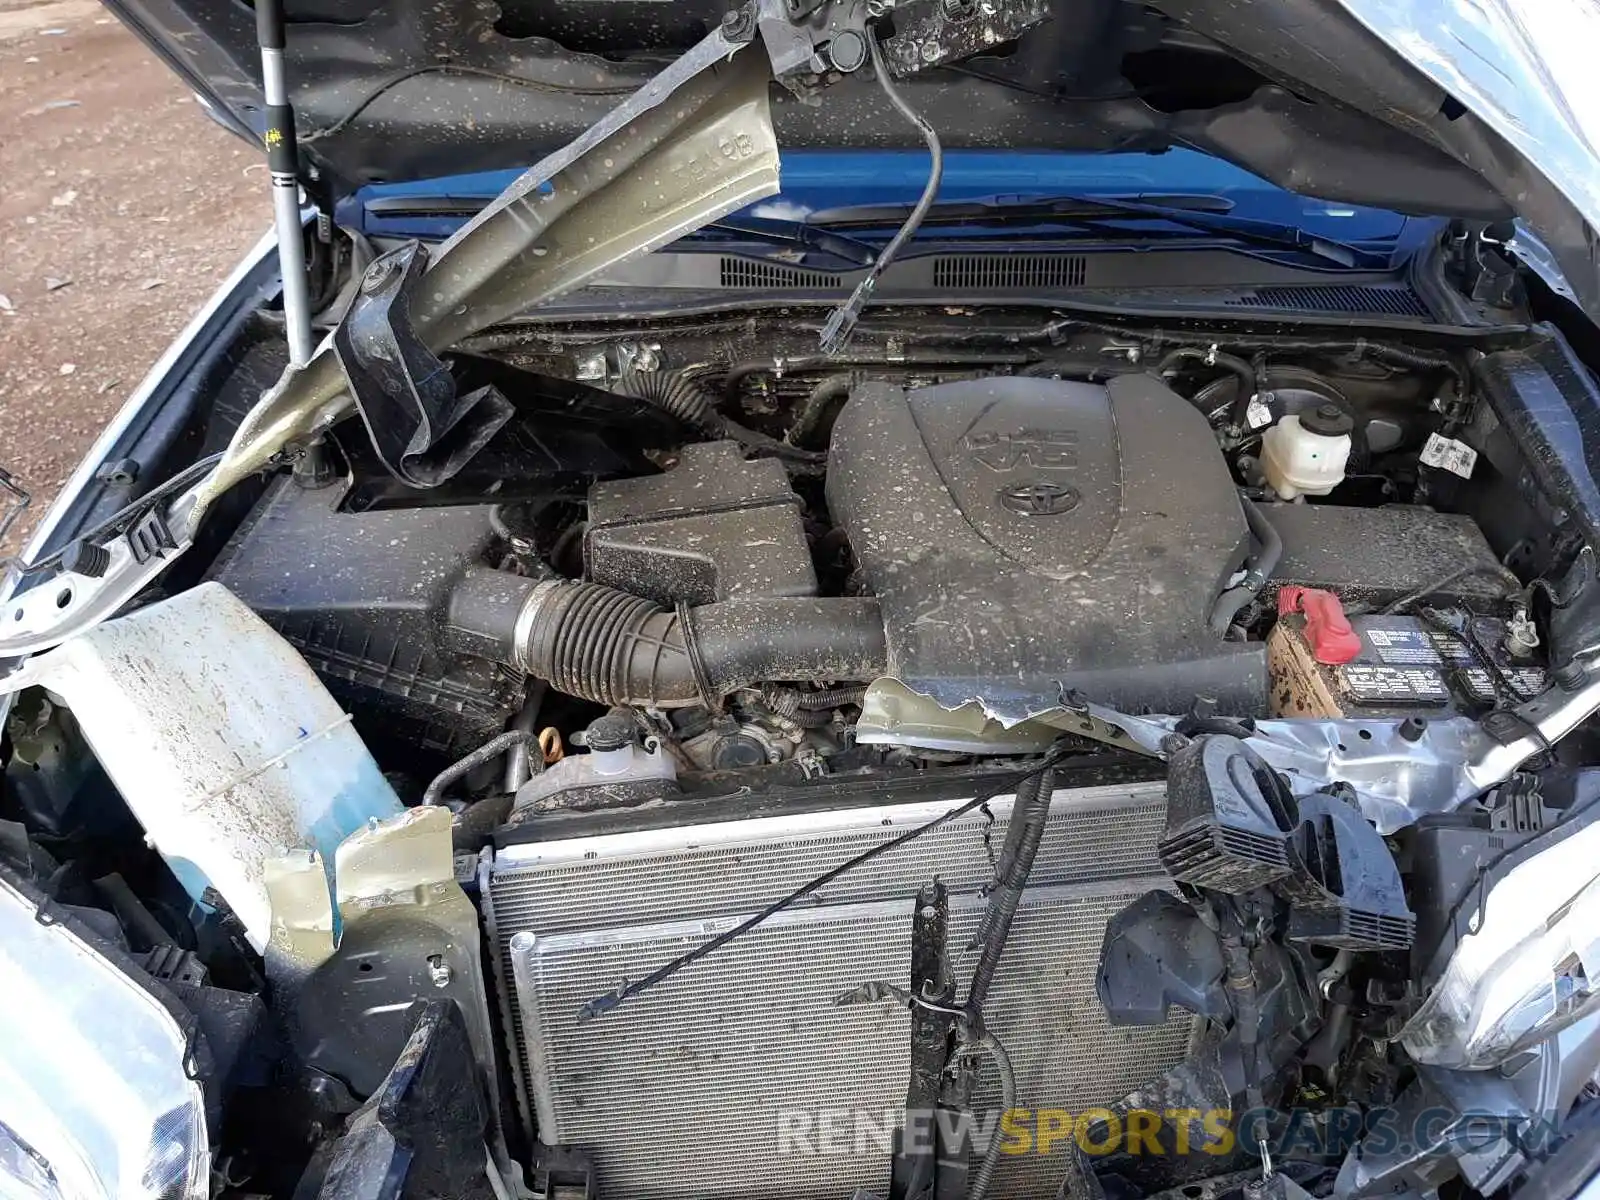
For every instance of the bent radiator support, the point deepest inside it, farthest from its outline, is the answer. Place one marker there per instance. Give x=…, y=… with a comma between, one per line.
x=750, y=1042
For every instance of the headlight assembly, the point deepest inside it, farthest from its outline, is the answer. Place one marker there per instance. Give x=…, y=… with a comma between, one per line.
x=95, y=1100
x=1528, y=965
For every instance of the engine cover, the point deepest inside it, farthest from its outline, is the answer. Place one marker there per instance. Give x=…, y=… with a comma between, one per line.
x=1029, y=536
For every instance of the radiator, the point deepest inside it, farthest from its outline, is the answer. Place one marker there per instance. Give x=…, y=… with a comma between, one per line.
x=702, y=1085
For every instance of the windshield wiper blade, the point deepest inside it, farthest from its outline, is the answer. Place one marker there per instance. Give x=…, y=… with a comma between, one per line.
x=1096, y=211
x=427, y=206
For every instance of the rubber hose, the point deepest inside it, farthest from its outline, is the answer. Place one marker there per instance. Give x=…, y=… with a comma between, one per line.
x=474, y=824
x=827, y=390
x=1262, y=562
x=1228, y=362
x=526, y=759
x=608, y=646
x=487, y=752
x=681, y=398
x=1028, y=816
x=984, y=1175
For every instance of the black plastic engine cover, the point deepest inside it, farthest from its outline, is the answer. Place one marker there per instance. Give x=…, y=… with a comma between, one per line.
x=1027, y=536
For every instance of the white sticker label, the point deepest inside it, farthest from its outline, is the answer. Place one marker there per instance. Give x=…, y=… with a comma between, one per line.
x=1449, y=455
x=1258, y=412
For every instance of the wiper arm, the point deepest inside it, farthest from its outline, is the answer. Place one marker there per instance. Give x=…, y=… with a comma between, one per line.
x=1098, y=210
x=780, y=232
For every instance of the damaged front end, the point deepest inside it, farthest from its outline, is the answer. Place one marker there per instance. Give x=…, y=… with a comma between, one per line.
x=796, y=747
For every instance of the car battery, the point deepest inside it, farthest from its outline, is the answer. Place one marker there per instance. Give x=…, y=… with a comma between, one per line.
x=1445, y=663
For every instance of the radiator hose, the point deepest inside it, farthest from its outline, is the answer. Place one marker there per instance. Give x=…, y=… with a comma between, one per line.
x=611, y=647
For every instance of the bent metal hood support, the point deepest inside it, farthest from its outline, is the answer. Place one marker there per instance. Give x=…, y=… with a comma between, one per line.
x=691, y=146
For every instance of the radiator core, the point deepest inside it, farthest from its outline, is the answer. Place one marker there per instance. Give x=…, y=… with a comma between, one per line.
x=715, y=1083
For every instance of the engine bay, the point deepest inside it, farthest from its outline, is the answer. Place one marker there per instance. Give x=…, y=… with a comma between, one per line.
x=1088, y=723
x=880, y=539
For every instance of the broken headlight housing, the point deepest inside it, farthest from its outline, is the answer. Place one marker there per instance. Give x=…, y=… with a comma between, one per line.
x=1527, y=966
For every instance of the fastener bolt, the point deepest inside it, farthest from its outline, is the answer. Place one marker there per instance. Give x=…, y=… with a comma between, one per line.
x=439, y=971
x=377, y=275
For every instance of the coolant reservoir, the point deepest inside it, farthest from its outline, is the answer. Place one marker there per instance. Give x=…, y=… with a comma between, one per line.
x=222, y=741
x=1305, y=454
x=618, y=768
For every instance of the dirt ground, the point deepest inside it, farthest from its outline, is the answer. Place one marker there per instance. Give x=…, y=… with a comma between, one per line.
x=122, y=206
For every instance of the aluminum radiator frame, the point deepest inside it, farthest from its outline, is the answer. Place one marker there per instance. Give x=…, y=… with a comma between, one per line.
x=691, y=1079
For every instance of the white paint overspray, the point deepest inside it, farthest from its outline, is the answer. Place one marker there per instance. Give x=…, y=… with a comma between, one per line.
x=222, y=741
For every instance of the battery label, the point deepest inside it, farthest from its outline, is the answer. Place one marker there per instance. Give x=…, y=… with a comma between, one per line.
x=1525, y=682
x=1453, y=650
x=1394, y=685
x=1403, y=647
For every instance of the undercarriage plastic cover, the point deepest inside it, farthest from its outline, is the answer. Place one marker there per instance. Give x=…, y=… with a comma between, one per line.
x=1028, y=537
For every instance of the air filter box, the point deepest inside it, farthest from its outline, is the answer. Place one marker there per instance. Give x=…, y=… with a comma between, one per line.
x=357, y=594
x=714, y=527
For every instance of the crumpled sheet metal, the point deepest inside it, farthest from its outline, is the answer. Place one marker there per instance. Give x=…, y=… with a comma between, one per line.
x=1396, y=778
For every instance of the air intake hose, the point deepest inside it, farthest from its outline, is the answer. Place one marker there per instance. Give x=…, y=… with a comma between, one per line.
x=611, y=647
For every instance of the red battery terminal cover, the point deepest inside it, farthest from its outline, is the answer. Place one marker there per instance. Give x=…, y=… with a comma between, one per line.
x=1327, y=628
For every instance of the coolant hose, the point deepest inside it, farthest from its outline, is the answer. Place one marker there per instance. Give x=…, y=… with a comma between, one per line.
x=829, y=389
x=485, y=753
x=611, y=647
x=1026, y=830
x=1262, y=562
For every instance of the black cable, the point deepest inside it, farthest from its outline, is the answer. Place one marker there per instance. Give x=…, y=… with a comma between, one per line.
x=395, y=80
x=841, y=322
x=1026, y=831
x=131, y=512
x=626, y=991
x=1454, y=577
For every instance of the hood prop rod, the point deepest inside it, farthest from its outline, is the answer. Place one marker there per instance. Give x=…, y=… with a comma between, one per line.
x=283, y=165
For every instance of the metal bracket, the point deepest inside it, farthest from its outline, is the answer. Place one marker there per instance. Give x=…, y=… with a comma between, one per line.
x=949, y=30
x=916, y=1169
x=423, y=432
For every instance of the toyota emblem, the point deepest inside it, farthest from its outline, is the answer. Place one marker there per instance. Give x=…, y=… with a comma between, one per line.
x=1042, y=499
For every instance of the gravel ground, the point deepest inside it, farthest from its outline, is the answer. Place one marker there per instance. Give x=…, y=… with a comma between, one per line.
x=122, y=206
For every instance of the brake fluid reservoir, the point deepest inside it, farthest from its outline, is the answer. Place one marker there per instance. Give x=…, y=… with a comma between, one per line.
x=1306, y=454
x=222, y=741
